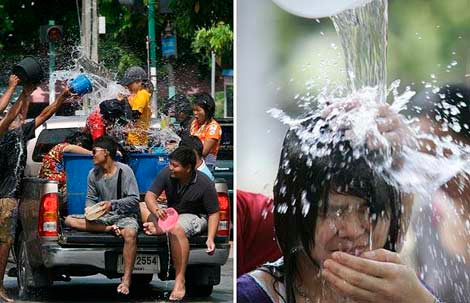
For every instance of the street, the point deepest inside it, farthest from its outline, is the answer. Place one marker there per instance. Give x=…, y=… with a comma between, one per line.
x=98, y=288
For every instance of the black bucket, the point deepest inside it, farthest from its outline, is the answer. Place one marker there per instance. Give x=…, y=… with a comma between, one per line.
x=29, y=70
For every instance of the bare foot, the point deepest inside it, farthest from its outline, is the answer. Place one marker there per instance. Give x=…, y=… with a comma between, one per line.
x=114, y=229
x=123, y=288
x=178, y=292
x=3, y=295
x=149, y=228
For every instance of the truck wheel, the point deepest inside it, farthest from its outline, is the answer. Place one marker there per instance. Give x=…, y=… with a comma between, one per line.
x=141, y=280
x=29, y=279
x=25, y=275
x=199, y=290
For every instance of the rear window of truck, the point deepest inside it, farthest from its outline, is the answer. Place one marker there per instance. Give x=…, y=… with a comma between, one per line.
x=48, y=138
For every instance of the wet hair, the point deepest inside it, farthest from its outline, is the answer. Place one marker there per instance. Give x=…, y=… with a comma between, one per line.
x=108, y=143
x=193, y=142
x=207, y=103
x=185, y=156
x=437, y=106
x=305, y=180
x=82, y=139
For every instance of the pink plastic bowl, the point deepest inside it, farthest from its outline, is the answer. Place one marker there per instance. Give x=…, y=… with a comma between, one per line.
x=170, y=221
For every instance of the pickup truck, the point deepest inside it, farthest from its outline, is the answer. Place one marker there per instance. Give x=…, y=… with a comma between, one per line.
x=46, y=250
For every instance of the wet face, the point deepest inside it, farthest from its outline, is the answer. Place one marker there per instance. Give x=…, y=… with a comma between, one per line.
x=199, y=114
x=178, y=171
x=99, y=155
x=347, y=227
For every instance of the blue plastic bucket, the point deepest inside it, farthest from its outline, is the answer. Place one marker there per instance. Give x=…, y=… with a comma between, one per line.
x=146, y=167
x=77, y=168
x=80, y=85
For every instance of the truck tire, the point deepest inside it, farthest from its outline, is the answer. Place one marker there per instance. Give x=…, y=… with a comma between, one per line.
x=141, y=280
x=27, y=277
x=199, y=291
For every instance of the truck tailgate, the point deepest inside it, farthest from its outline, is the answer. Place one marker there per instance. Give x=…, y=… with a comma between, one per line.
x=73, y=238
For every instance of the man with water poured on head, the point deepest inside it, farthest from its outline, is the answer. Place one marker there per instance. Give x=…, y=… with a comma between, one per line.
x=339, y=221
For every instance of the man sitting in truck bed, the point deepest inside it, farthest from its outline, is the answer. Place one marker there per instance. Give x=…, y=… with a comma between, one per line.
x=120, y=203
x=194, y=197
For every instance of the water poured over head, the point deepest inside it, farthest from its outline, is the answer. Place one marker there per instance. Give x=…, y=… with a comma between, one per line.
x=334, y=202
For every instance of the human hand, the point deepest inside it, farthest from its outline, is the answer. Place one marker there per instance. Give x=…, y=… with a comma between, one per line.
x=106, y=205
x=210, y=246
x=13, y=81
x=161, y=214
x=150, y=228
x=377, y=276
x=66, y=92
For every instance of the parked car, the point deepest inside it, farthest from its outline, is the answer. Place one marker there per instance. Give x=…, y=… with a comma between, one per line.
x=46, y=250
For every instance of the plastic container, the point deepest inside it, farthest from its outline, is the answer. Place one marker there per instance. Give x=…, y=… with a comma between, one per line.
x=77, y=168
x=80, y=85
x=146, y=167
x=318, y=8
x=170, y=221
x=29, y=70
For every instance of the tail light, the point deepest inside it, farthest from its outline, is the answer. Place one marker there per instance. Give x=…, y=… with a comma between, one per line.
x=224, y=215
x=47, y=221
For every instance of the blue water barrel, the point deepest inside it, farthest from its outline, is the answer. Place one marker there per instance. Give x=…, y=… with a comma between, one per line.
x=77, y=168
x=146, y=167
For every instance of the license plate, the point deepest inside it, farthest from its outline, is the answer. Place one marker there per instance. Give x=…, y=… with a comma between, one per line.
x=144, y=264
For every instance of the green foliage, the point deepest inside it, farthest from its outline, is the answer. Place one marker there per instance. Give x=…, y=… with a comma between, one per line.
x=6, y=24
x=218, y=39
x=193, y=14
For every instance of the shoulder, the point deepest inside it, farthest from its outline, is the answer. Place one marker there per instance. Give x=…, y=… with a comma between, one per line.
x=261, y=281
x=125, y=168
x=203, y=180
x=94, y=172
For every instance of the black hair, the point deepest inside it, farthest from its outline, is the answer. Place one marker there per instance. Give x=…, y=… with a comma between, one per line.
x=193, y=142
x=82, y=139
x=207, y=103
x=450, y=104
x=304, y=179
x=184, y=155
x=108, y=143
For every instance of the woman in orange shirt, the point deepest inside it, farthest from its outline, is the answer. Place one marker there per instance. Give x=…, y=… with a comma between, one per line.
x=206, y=128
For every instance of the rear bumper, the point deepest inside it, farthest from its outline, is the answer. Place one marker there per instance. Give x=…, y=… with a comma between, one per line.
x=54, y=255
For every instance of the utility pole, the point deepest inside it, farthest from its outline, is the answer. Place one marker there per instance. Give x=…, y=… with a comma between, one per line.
x=153, y=52
x=94, y=32
x=86, y=27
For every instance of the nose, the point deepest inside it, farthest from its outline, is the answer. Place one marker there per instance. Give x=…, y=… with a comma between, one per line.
x=352, y=226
